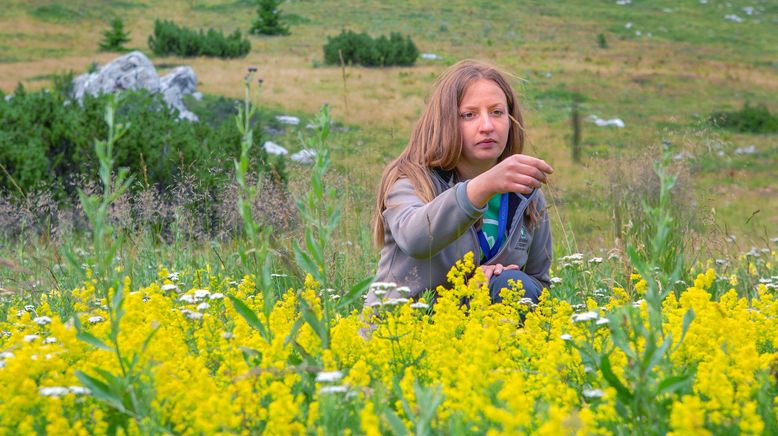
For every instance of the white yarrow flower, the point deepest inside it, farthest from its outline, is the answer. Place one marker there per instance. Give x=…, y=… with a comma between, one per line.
x=595, y=260
x=602, y=321
x=404, y=290
x=216, y=296
x=203, y=306
x=419, y=305
x=187, y=298
x=566, y=337
x=95, y=319
x=333, y=389
x=586, y=316
x=169, y=287
x=201, y=293
x=30, y=338
x=593, y=393
x=80, y=390
x=556, y=280
x=383, y=285
x=173, y=277
x=42, y=320
x=50, y=340
x=6, y=355
x=54, y=391
x=328, y=376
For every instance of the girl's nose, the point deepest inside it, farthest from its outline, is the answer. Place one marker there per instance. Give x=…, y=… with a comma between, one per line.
x=486, y=124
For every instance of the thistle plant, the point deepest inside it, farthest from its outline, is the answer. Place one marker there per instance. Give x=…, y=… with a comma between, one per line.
x=650, y=381
x=320, y=212
x=257, y=256
x=129, y=394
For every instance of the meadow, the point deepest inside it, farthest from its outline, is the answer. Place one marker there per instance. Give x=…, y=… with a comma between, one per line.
x=662, y=317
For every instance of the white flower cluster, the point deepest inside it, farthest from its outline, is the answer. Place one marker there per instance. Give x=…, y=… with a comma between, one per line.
x=390, y=295
x=61, y=391
x=589, y=316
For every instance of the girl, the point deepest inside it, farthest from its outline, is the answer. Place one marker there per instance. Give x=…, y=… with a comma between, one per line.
x=461, y=185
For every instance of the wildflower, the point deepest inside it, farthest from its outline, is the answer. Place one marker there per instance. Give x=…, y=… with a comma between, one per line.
x=173, y=277
x=169, y=287
x=278, y=275
x=383, y=285
x=774, y=240
x=54, y=391
x=613, y=256
x=95, y=319
x=80, y=390
x=556, y=280
x=50, y=340
x=419, y=305
x=637, y=303
x=332, y=389
x=192, y=315
x=602, y=321
x=227, y=335
x=566, y=337
x=593, y=393
x=586, y=316
x=201, y=293
x=187, y=298
x=404, y=290
x=42, y=320
x=527, y=301
x=233, y=283
x=595, y=260
x=328, y=377
x=753, y=252
x=29, y=308
x=396, y=301
x=30, y=338
x=203, y=306
x=334, y=297
x=6, y=355
x=216, y=296
x=722, y=262
x=380, y=292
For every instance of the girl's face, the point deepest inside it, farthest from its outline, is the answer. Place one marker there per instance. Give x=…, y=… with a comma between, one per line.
x=484, y=125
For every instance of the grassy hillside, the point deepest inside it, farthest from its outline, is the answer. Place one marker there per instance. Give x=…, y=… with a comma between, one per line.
x=667, y=67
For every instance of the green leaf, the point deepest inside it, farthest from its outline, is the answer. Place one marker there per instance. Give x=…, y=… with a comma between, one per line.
x=398, y=427
x=92, y=340
x=355, y=292
x=673, y=384
x=293, y=331
x=687, y=321
x=100, y=391
x=251, y=318
x=625, y=396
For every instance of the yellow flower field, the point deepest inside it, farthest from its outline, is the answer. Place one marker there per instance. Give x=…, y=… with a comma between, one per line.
x=394, y=368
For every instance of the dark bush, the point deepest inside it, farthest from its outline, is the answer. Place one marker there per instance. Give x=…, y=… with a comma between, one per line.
x=749, y=119
x=362, y=49
x=115, y=38
x=48, y=140
x=269, y=20
x=171, y=39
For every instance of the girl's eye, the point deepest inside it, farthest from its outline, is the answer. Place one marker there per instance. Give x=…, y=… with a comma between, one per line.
x=498, y=113
x=467, y=115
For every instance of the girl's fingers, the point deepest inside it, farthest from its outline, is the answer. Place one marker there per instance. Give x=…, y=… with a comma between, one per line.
x=498, y=269
x=512, y=266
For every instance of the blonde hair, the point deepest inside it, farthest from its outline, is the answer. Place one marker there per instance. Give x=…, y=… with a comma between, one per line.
x=436, y=141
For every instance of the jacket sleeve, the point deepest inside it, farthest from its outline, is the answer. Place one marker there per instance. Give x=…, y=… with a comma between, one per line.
x=540, y=251
x=421, y=229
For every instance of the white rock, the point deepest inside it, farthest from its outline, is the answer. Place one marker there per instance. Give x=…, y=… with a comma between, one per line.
x=733, y=17
x=272, y=148
x=288, y=119
x=751, y=149
x=305, y=157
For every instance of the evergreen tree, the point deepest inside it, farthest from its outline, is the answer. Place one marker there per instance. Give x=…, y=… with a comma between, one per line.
x=115, y=38
x=269, y=20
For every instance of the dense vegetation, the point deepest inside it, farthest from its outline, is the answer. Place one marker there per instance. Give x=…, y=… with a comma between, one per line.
x=362, y=49
x=170, y=39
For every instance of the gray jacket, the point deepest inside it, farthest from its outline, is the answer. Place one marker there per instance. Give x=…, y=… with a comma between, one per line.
x=422, y=241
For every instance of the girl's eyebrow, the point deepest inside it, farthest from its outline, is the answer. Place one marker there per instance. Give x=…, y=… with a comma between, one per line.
x=491, y=106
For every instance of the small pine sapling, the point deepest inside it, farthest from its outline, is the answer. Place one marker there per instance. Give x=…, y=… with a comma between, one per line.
x=269, y=20
x=115, y=38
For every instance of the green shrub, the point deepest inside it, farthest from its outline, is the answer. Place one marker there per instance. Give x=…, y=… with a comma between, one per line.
x=115, y=38
x=49, y=139
x=170, y=39
x=749, y=119
x=269, y=21
x=362, y=49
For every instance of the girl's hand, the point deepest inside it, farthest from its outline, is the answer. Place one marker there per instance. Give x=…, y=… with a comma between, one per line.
x=517, y=173
x=496, y=270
